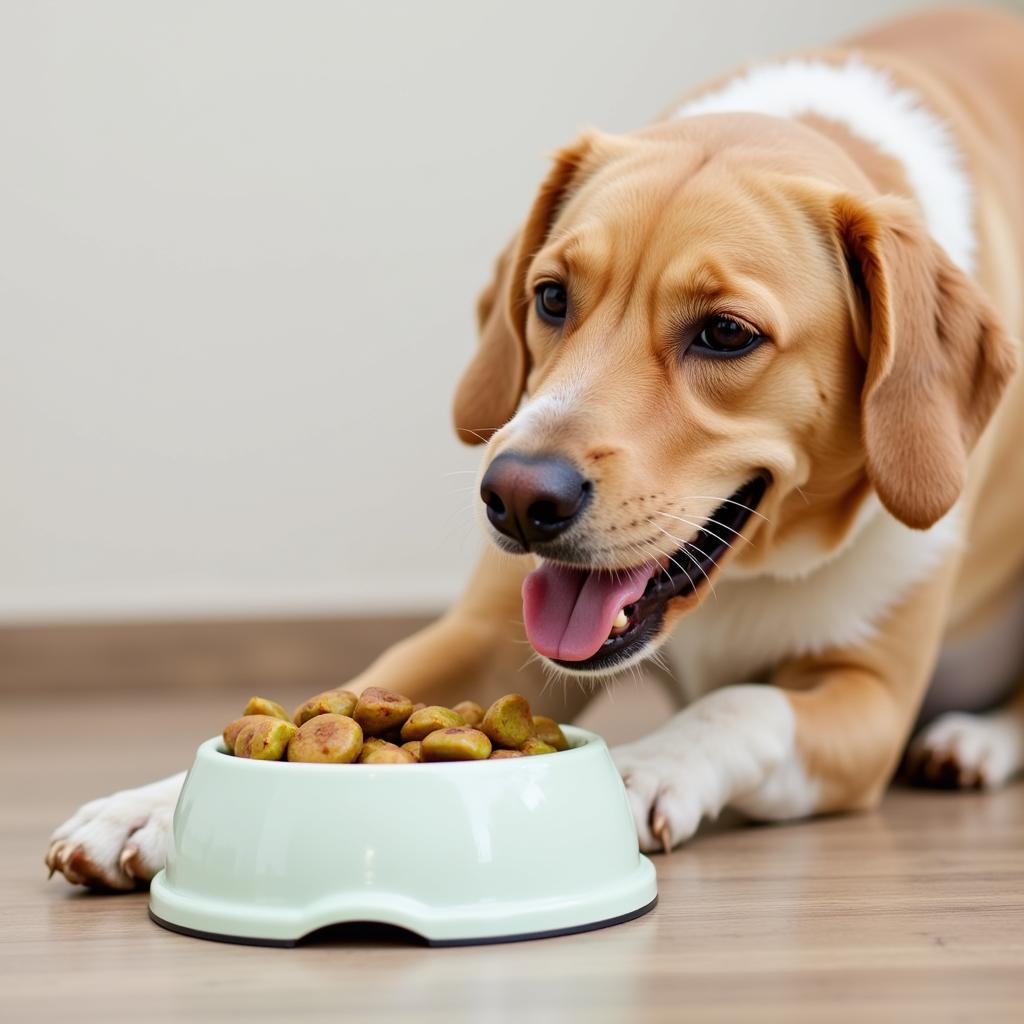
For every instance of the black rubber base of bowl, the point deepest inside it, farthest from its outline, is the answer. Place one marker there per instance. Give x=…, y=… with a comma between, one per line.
x=243, y=940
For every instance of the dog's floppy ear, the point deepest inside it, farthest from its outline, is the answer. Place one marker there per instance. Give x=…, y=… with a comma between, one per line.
x=937, y=358
x=493, y=383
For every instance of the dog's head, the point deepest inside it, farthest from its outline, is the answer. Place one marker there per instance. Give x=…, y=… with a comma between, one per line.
x=727, y=346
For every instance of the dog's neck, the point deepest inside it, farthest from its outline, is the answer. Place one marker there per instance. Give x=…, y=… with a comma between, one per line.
x=837, y=604
x=866, y=102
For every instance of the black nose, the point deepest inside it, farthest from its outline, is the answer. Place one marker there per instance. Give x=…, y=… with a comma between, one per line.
x=533, y=498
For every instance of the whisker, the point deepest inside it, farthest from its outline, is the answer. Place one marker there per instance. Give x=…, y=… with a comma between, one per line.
x=606, y=685
x=476, y=433
x=689, y=578
x=534, y=657
x=634, y=672
x=684, y=544
x=646, y=557
x=726, y=501
x=690, y=522
x=697, y=526
x=659, y=659
x=685, y=550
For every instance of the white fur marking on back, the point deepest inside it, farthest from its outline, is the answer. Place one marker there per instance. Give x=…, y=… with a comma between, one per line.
x=871, y=105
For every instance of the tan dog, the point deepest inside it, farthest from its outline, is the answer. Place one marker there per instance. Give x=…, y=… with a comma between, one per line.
x=758, y=349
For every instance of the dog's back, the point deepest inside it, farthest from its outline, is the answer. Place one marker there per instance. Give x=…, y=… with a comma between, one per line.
x=974, y=63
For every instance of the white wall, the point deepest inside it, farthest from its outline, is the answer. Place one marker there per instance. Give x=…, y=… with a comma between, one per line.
x=240, y=244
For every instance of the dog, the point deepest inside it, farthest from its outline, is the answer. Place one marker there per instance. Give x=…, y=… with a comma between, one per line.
x=747, y=386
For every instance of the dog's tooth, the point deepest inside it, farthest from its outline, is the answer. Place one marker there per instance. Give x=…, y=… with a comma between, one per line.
x=620, y=624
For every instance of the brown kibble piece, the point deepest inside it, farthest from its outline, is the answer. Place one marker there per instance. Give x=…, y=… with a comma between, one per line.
x=370, y=743
x=263, y=706
x=330, y=702
x=457, y=744
x=508, y=721
x=265, y=739
x=232, y=730
x=413, y=746
x=548, y=730
x=379, y=711
x=329, y=738
x=472, y=712
x=387, y=753
x=427, y=720
x=537, y=746
x=502, y=754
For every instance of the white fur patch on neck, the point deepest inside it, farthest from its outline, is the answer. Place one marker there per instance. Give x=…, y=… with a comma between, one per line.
x=802, y=554
x=837, y=605
x=871, y=105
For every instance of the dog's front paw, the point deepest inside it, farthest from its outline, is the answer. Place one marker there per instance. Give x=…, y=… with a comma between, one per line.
x=734, y=745
x=669, y=791
x=118, y=841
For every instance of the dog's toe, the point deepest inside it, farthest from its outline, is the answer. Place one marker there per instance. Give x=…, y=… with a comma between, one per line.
x=641, y=788
x=666, y=810
x=675, y=817
x=146, y=849
x=52, y=858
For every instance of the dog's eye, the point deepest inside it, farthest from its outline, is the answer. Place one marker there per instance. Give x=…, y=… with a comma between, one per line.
x=552, y=303
x=722, y=335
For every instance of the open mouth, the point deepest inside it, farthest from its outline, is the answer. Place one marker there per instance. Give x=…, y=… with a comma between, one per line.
x=589, y=619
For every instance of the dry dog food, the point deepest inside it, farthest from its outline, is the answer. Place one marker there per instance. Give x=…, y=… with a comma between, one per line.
x=330, y=738
x=462, y=743
x=331, y=702
x=265, y=738
x=383, y=727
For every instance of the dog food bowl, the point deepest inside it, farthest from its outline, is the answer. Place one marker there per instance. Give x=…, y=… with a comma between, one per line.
x=456, y=852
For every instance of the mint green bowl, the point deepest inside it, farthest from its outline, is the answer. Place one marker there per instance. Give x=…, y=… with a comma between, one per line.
x=488, y=851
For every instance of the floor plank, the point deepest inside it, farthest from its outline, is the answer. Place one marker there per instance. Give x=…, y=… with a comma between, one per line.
x=917, y=909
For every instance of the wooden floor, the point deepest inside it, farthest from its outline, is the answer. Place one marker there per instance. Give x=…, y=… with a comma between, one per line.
x=914, y=913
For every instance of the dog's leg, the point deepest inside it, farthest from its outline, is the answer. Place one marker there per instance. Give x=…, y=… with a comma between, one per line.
x=964, y=751
x=825, y=737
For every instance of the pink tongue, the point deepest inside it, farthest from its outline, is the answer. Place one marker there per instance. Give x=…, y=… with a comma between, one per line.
x=569, y=613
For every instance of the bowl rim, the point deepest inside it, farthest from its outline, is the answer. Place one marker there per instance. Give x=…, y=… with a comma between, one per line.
x=215, y=747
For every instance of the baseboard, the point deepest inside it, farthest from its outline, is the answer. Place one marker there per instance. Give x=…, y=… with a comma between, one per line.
x=257, y=655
